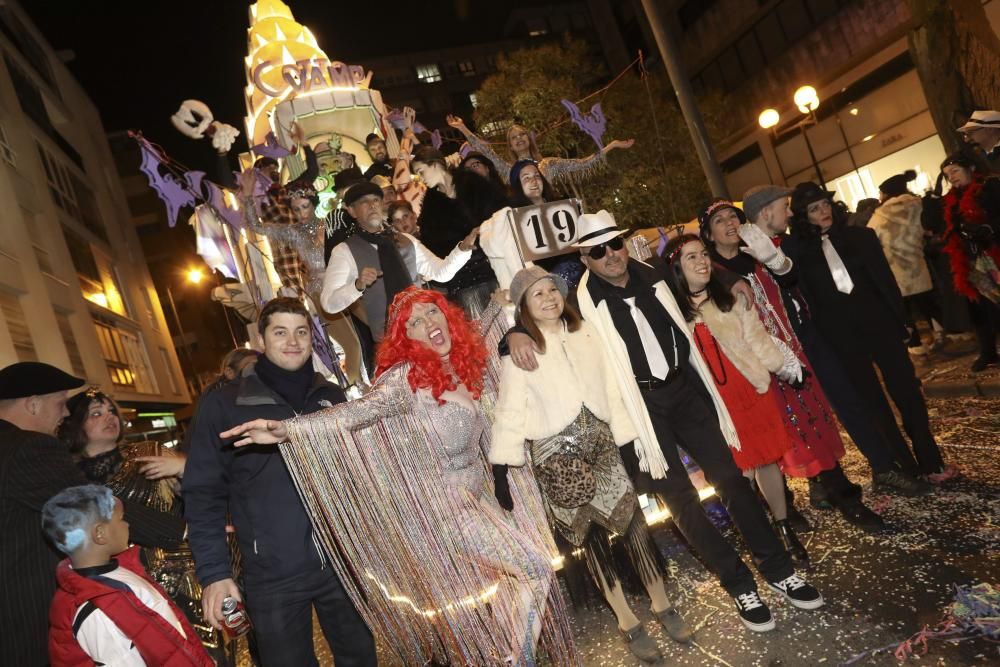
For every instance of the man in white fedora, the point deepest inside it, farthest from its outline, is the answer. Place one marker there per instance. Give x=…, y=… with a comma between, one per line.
x=673, y=401
x=982, y=130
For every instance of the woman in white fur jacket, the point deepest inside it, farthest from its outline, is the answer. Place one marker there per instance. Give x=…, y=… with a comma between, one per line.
x=569, y=415
x=741, y=356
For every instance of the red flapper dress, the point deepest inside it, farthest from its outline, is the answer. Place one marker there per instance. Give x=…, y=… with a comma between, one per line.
x=806, y=413
x=758, y=422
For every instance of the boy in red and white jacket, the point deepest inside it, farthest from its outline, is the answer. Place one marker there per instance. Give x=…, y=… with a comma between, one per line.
x=107, y=610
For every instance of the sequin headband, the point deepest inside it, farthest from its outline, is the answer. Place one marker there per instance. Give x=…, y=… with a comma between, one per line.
x=304, y=192
x=714, y=208
x=677, y=251
x=403, y=298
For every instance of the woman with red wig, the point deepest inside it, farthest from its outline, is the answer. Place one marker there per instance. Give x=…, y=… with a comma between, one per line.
x=402, y=501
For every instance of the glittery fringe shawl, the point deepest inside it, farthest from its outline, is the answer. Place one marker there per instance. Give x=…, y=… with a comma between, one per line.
x=372, y=478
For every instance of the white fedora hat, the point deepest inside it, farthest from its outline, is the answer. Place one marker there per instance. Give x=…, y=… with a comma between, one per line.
x=983, y=118
x=596, y=228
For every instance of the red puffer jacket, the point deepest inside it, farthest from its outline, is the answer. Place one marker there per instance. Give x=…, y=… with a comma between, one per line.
x=157, y=641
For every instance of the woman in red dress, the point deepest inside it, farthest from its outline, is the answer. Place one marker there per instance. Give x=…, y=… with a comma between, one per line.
x=741, y=356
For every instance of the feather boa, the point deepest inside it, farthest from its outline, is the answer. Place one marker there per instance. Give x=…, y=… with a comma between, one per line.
x=970, y=213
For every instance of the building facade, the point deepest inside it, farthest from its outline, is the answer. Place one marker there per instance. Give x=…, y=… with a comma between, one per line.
x=75, y=290
x=872, y=121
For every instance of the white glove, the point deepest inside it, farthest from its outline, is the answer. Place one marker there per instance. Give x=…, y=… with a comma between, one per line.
x=223, y=136
x=791, y=370
x=760, y=247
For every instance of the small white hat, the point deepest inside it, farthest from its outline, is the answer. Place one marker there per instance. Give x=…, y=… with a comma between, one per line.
x=984, y=118
x=596, y=228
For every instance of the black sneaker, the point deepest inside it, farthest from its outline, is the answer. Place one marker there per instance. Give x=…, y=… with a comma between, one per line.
x=901, y=482
x=798, y=592
x=753, y=612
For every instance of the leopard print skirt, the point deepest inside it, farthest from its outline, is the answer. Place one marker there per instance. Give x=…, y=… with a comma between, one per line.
x=582, y=480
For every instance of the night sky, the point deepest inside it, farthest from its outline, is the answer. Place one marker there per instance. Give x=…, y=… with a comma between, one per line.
x=139, y=60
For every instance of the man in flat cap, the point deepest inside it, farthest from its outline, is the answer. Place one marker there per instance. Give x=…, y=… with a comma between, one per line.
x=34, y=466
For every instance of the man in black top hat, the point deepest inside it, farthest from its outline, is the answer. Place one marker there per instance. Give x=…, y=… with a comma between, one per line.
x=34, y=466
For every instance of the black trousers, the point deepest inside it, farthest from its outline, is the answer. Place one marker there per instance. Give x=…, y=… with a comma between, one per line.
x=859, y=418
x=986, y=319
x=281, y=613
x=879, y=343
x=682, y=415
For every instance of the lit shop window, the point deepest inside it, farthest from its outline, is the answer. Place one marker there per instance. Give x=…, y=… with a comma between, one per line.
x=428, y=73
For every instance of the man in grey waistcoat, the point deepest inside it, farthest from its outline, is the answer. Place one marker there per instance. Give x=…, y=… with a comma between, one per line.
x=374, y=265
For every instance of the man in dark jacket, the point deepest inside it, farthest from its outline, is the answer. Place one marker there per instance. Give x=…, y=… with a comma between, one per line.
x=34, y=466
x=285, y=573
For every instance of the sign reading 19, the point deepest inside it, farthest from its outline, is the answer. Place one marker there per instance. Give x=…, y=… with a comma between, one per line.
x=547, y=229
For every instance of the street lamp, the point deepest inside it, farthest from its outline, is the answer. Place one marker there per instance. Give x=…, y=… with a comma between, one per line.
x=807, y=100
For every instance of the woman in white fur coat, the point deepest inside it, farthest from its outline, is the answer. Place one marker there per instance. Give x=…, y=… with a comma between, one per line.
x=569, y=415
x=897, y=224
x=741, y=356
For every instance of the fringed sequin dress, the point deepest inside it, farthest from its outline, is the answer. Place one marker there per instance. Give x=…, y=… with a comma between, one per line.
x=402, y=502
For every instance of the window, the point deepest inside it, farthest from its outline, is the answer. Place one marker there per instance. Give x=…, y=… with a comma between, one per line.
x=467, y=68
x=169, y=365
x=537, y=27
x=17, y=327
x=428, y=73
x=71, y=194
x=473, y=101
x=25, y=43
x=770, y=37
x=82, y=257
x=69, y=340
x=750, y=54
x=5, y=149
x=125, y=358
x=732, y=68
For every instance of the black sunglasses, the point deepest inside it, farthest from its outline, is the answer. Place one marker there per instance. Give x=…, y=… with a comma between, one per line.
x=601, y=249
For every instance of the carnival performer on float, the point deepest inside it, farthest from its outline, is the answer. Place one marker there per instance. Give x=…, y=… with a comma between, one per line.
x=143, y=473
x=521, y=146
x=400, y=497
x=570, y=415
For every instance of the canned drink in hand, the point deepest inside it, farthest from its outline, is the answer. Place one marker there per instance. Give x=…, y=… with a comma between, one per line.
x=235, y=621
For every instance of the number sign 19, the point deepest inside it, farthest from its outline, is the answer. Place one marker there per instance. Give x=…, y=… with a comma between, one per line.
x=545, y=230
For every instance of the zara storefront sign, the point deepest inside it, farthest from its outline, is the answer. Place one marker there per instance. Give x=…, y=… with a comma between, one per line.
x=545, y=230
x=308, y=75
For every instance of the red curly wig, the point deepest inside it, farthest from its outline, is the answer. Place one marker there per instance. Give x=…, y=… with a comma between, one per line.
x=468, y=351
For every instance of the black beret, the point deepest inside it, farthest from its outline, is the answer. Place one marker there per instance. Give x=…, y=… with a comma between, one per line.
x=359, y=190
x=33, y=378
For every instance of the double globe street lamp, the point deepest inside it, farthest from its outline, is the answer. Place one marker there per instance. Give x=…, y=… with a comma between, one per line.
x=807, y=100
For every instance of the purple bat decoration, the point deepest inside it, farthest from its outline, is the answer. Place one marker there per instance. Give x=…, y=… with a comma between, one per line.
x=168, y=187
x=216, y=199
x=662, y=245
x=465, y=149
x=436, y=140
x=593, y=122
x=271, y=148
x=194, y=179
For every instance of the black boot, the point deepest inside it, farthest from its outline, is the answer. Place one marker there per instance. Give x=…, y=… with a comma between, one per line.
x=818, y=497
x=857, y=514
x=792, y=545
